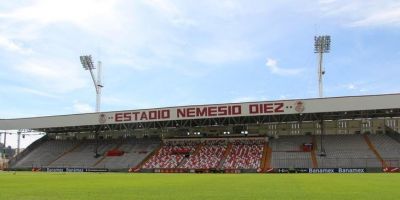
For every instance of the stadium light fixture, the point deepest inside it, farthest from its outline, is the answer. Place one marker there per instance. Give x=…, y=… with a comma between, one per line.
x=322, y=44
x=87, y=64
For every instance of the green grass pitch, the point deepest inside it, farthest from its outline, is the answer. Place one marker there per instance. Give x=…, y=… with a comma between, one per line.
x=109, y=186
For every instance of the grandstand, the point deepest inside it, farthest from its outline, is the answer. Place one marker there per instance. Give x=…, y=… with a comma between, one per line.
x=244, y=154
x=345, y=132
x=208, y=155
x=287, y=152
x=347, y=151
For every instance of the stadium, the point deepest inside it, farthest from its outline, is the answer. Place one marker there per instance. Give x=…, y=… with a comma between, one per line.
x=323, y=135
x=199, y=100
x=220, y=151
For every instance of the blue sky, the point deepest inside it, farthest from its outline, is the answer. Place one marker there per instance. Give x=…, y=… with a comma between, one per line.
x=177, y=52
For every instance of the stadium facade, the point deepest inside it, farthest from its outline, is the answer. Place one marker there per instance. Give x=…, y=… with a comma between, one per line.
x=339, y=134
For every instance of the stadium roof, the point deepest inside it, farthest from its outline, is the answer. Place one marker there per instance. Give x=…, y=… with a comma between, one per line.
x=351, y=107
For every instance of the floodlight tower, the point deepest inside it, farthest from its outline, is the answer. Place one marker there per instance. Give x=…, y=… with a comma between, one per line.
x=322, y=45
x=87, y=64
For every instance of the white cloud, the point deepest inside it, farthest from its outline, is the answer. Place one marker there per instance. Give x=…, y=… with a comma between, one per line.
x=363, y=13
x=382, y=17
x=351, y=86
x=113, y=100
x=80, y=107
x=37, y=92
x=272, y=65
x=170, y=10
x=12, y=46
x=224, y=52
x=358, y=86
x=55, y=76
x=73, y=11
x=128, y=27
x=97, y=16
x=132, y=62
x=164, y=6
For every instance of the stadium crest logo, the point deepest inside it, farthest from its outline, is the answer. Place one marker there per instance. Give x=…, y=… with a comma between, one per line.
x=102, y=118
x=299, y=106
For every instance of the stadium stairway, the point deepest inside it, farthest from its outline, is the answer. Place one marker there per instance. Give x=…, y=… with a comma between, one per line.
x=313, y=153
x=65, y=153
x=226, y=153
x=266, y=159
x=104, y=155
x=264, y=156
x=373, y=149
x=186, y=159
x=139, y=166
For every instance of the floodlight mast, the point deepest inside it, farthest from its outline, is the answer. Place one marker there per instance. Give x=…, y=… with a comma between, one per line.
x=99, y=87
x=87, y=64
x=322, y=45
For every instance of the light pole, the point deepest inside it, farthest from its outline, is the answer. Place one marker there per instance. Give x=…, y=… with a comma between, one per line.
x=87, y=64
x=4, y=143
x=322, y=44
x=1, y=153
x=19, y=142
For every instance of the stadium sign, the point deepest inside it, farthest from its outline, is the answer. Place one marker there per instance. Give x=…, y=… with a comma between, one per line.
x=284, y=107
x=60, y=169
x=323, y=170
x=337, y=170
x=351, y=170
x=200, y=112
x=317, y=170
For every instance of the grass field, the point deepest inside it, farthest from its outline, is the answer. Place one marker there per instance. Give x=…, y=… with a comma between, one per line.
x=108, y=186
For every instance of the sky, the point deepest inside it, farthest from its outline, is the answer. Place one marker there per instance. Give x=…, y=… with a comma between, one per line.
x=158, y=53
